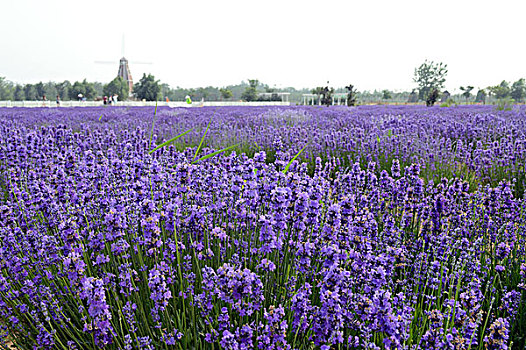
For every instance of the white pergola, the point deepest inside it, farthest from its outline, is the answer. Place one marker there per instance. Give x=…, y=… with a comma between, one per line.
x=313, y=99
x=284, y=95
x=339, y=97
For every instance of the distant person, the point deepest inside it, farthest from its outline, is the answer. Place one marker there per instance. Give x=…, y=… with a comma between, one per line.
x=44, y=99
x=188, y=99
x=58, y=101
x=115, y=97
x=110, y=99
x=80, y=97
x=105, y=100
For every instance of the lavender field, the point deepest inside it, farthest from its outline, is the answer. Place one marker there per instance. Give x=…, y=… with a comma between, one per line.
x=375, y=227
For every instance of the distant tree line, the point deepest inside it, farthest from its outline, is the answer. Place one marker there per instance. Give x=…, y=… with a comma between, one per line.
x=65, y=90
x=429, y=77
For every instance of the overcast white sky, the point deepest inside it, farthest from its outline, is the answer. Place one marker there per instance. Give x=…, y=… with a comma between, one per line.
x=374, y=44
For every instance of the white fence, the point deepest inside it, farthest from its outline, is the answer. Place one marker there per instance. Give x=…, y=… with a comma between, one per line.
x=136, y=103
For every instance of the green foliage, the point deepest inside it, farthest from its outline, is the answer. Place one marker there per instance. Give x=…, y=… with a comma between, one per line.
x=429, y=76
x=169, y=141
x=63, y=90
x=269, y=89
x=505, y=104
x=210, y=155
x=292, y=160
x=203, y=92
x=432, y=97
x=326, y=98
x=386, y=95
x=30, y=92
x=518, y=90
x=481, y=96
x=326, y=94
x=19, y=94
x=351, y=95
x=147, y=88
x=225, y=93
x=39, y=87
x=448, y=103
x=466, y=91
x=317, y=91
x=82, y=87
x=202, y=139
x=98, y=87
x=50, y=90
x=250, y=93
x=6, y=89
x=117, y=86
x=500, y=91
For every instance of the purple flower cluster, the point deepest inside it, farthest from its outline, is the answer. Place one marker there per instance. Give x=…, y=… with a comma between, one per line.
x=400, y=228
x=98, y=320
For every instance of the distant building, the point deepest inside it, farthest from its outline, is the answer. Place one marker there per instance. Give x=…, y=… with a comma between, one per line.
x=125, y=74
x=445, y=96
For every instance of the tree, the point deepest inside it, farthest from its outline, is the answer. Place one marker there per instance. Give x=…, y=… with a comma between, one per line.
x=225, y=93
x=467, y=91
x=147, y=88
x=203, y=93
x=386, y=95
x=429, y=76
x=269, y=89
x=500, y=91
x=166, y=91
x=89, y=90
x=117, y=86
x=518, y=90
x=326, y=95
x=63, y=90
x=351, y=95
x=82, y=87
x=317, y=91
x=50, y=90
x=19, y=94
x=481, y=96
x=77, y=89
x=6, y=89
x=39, y=87
x=432, y=97
x=250, y=93
x=97, y=88
x=30, y=92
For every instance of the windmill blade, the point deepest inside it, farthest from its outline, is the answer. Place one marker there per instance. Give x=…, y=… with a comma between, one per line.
x=140, y=62
x=106, y=62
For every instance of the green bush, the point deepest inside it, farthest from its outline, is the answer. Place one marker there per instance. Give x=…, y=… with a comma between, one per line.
x=505, y=104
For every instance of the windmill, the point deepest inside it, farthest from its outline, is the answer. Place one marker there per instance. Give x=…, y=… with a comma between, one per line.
x=124, y=68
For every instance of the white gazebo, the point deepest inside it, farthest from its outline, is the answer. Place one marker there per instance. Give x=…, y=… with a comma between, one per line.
x=315, y=99
x=338, y=97
x=311, y=99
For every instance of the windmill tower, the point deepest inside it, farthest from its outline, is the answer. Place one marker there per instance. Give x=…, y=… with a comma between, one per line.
x=124, y=68
x=125, y=74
